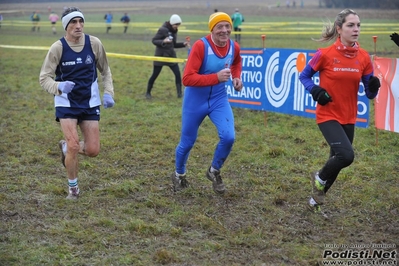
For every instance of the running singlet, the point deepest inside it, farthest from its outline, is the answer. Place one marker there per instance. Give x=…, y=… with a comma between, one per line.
x=213, y=63
x=79, y=67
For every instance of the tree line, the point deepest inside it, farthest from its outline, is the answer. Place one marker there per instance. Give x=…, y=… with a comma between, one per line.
x=380, y=4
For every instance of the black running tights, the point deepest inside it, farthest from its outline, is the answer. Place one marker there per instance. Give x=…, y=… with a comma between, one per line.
x=340, y=138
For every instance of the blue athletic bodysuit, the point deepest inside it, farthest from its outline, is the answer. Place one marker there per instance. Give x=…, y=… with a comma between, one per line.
x=211, y=101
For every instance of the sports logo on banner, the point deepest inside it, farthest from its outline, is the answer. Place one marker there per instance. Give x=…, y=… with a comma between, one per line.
x=387, y=101
x=271, y=83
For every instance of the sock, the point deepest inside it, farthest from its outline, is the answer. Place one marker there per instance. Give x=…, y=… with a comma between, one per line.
x=312, y=201
x=73, y=182
x=321, y=181
x=213, y=169
x=177, y=174
x=64, y=147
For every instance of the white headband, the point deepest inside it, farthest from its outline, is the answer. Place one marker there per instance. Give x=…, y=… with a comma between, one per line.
x=66, y=19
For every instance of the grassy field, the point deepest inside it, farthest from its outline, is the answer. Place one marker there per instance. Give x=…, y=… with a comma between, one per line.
x=128, y=213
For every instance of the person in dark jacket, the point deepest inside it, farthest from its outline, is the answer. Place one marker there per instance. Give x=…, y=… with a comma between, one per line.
x=165, y=41
x=125, y=20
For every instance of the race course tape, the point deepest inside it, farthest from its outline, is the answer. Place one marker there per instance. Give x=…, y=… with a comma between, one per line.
x=130, y=56
x=149, y=58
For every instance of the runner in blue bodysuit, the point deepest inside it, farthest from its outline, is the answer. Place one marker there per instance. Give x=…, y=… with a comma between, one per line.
x=213, y=60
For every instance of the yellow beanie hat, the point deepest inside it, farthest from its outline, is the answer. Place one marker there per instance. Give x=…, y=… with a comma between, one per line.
x=215, y=18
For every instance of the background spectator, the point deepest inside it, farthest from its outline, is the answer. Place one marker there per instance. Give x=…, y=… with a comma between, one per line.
x=237, y=19
x=108, y=21
x=35, y=18
x=125, y=20
x=53, y=17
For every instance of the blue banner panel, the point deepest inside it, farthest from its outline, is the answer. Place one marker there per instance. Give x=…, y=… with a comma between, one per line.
x=271, y=84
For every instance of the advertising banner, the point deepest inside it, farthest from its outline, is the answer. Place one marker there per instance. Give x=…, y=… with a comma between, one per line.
x=271, y=84
x=387, y=101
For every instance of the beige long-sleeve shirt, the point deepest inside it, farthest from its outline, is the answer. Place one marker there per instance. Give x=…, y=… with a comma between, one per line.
x=53, y=57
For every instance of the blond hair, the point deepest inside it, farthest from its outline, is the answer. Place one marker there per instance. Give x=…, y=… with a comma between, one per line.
x=330, y=32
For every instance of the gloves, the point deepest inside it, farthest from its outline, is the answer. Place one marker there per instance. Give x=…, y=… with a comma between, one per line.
x=320, y=95
x=395, y=38
x=66, y=86
x=108, y=101
x=374, y=84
